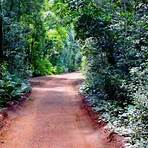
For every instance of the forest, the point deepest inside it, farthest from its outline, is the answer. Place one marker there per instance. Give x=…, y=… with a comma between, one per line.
x=107, y=40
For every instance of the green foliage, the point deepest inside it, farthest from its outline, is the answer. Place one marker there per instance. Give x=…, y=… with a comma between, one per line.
x=43, y=67
x=117, y=64
x=58, y=70
x=11, y=88
x=70, y=56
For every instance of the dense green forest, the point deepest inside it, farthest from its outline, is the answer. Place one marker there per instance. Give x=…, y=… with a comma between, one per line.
x=106, y=39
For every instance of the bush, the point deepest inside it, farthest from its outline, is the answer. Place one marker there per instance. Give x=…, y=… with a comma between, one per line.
x=12, y=88
x=43, y=67
x=58, y=70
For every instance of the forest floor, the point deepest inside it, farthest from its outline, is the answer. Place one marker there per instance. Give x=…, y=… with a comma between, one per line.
x=53, y=118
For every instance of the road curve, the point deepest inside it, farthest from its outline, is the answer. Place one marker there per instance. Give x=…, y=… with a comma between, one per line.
x=52, y=118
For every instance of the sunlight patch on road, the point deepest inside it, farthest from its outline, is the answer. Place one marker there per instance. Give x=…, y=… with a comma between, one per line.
x=58, y=89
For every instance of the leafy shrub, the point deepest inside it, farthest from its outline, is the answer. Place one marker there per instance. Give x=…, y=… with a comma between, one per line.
x=12, y=88
x=58, y=70
x=42, y=67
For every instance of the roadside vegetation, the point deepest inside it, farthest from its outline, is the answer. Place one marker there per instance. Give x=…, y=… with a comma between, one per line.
x=107, y=40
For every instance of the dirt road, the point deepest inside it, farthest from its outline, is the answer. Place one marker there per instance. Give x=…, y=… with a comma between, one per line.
x=53, y=118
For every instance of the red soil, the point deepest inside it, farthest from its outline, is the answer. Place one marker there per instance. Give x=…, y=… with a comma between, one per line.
x=54, y=117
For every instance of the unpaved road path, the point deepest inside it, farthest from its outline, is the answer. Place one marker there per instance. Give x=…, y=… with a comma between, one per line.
x=52, y=118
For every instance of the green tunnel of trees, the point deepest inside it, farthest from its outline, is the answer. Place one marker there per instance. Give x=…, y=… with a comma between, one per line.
x=106, y=39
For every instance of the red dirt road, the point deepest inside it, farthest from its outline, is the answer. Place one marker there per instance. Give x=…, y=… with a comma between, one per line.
x=53, y=118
